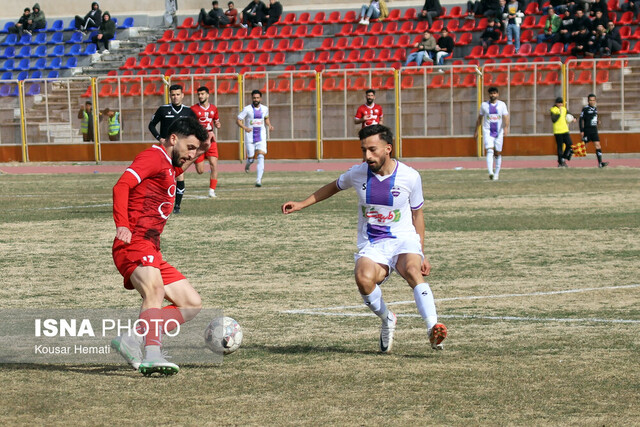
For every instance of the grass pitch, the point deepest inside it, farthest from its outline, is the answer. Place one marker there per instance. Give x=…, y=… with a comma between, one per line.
x=519, y=351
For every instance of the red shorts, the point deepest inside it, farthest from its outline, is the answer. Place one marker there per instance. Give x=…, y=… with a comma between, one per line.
x=127, y=257
x=211, y=152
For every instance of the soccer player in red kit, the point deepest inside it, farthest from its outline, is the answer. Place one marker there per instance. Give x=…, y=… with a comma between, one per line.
x=143, y=199
x=208, y=116
x=369, y=114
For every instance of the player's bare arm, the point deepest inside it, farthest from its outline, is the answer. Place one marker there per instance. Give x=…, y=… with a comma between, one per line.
x=268, y=123
x=240, y=123
x=478, y=124
x=506, y=122
x=321, y=194
x=417, y=217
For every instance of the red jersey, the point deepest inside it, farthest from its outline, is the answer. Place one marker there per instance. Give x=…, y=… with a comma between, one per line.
x=144, y=195
x=206, y=116
x=372, y=114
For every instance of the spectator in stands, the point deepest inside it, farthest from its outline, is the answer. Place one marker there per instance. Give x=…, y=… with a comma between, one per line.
x=90, y=20
x=558, y=5
x=23, y=24
x=426, y=50
x=614, y=40
x=494, y=8
x=444, y=47
x=369, y=12
x=513, y=15
x=113, y=120
x=170, y=13
x=566, y=27
x=490, y=35
x=599, y=19
x=86, y=121
x=551, y=28
x=632, y=6
x=599, y=5
x=475, y=8
x=274, y=12
x=215, y=17
x=38, y=21
x=106, y=32
x=597, y=42
x=579, y=21
x=253, y=14
x=581, y=40
x=431, y=9
x=231, y=13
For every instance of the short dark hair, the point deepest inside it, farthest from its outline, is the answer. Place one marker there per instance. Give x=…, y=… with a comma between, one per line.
x=26, y=9
x=493, y=89
x=256, y=92
x=175, y=87
x=230, y=3
x=214, y=3
x=203, y=89
x=370, y=91
x=384, y=132
x=591, y=95
x=187, y=126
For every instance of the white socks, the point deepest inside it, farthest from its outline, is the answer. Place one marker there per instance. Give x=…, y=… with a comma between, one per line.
x=375, y=302
x=498, y=164
x=152, y=352
x=490, y=160
x=425, y=303
x=260, y=167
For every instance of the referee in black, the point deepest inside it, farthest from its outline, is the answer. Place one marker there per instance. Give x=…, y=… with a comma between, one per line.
x=165, y=115
x=589, y=127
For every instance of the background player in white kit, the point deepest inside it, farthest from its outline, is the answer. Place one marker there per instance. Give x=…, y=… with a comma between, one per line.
x=253, y=119
x=494, y=118
x=390, y=230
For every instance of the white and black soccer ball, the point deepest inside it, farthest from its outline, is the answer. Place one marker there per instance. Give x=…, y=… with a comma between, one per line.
x=570, y=118
x=223, y=335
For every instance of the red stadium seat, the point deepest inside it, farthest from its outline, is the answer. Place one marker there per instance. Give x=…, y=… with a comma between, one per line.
x=349, y=16
x=129, y=64
x=283, y=46
x=212, y=34
x=188, y=23
x=327, y=44
x=354, y=56
x=341, y=43
x=437, y=26
x=196, y=36
x=532, y=9
x=339, y=56
x=375, y=28
x=391, y=28
x=407, y=82
x=387, y=42
x=407, y=27
x=252, y=45
x=301, y=31
x=271, y=33
x=476, y=52
x=372, y=42
x=356, y=43
x=149, y=49
x=469, y=25
x=278, y=59
x=319, y=18
x=625, y=19
x=317, y=31
x=492, y=51
x=193, y=48
x=404, y=41
x=421, y=27
x=263, y=59
x=529, y=21
x=482, y=24
x=163, y=49
x=346, y=30
x=255, y=33
x=394, y=15
x=267, y=46
x=178, y=49
x=182, y=36
x=465, y=39
x=409, y=15
x=166, y=37
x=452, y=26
x=298, y=44
x=233, y=60
x=285, y=32
x=556, y=49
x=334, y=17
x=158, y=62
x=187, y=62
x=508, y=51
x=525, y=50
x=602, y=76
x=309, y=58
x=289, y=19
x=203, y=61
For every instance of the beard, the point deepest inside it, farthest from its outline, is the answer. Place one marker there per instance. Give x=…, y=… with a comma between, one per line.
x=255, y=104
x=175, y=159
x=375, y=167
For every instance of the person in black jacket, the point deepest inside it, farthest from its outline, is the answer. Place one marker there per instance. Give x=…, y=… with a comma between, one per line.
x=444, y=47
x=106, y=32
x=589, y=127
x=431, y=9
x=90, y=20
x=490, y=34
x=22, y=24
x=272, y=14
x=215, y=17
x=614, y=40
x=253, y=14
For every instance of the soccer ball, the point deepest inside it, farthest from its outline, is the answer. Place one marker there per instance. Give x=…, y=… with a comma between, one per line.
x=223, y=335
x=570, y=118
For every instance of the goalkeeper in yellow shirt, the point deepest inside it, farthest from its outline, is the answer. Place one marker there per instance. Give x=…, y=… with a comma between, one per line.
x=561, y=132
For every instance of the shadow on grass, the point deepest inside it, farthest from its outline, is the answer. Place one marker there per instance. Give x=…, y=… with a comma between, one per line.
x=314, y=349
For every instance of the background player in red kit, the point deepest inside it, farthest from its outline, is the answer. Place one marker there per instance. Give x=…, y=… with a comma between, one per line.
x=143, y=199
x=208, y=116
x=369, y=114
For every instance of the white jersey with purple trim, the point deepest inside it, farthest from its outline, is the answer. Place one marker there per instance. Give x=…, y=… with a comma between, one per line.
x=385, y=202
x=254, y=118
x=492, y=118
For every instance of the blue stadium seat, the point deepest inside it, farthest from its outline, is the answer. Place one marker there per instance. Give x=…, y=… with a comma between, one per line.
x=54, y=74
x=34, y=89
x=57, y=51
x=127, y=23
x=5, y=90
x=55, y=64
x=23, y=65
x=71, y=26
x=7, y=75
x=15, y=91
x=8, y=25
x=9, y=52
x=115, y=21
x=58, y=25
x=56, y=38
x=75, y=50
x=40, y=52
x=8, y=65
x=71, y=63
x=75, y=38
x=25, y=39
x=22, y=75
x=36, y=75
x=40, y=64
x=90, y=50
x=24, y=52
x=40, y=38
x=11, y=40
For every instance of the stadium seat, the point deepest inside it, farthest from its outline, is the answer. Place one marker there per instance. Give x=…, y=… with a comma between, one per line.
x=532, y=9
x=465, y=39
x=34, y=89
x=406, y=28
x=182, y=36
x=356, y=43
x=404, y=41
x=452, y=26
x=297, y=45
x=74, y=50
x=71, y=63
x=409, y=15
x=158, y=62
x=327, y=44
x=23, y=65
x=437, y=26
x=37, y=74
x=303, y=19
x=6, y=27
x=7, y=75
x=374, y=29
x=529, y=21
x=602, y=76
x=40, y=38
x=10, y=40
x=349, y=16
x=372, y=42
x=301, y=31
x=203, y=61
x=285, y=32
x=556, y=49
x=341, y=44
x=128, y=22
x=283, y=86
x=129, y=64
x=196, y=36
x=105, y=91
x=492, y=51
x=268, y=45
x=316, y=31
x=89, y=50
x=22, y=75
x=24, y=52
x=233, y=60
x=283, y=46
x=334, y=17
x=5, y=90
x=525, y=50
x=508, y=51
x=188, y=23
x=9, y=52
x=75, y=38
x=625, y=19
x=319, y=18
x=167, y=37
x=278, y=59
x=289, y=19
x=399, y=55
x=40, y=64
x=24, y=40
x=346, y=31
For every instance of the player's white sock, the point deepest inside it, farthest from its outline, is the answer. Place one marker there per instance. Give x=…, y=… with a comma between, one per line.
x=425, y=303
x=260, y=167
x=375, y=302
x=490, y=160
x=152, y=352
x=498, y=163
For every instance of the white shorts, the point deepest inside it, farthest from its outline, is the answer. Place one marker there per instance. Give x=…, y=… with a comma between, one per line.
x=252, y=147
x=386, y=251
x=493, y=142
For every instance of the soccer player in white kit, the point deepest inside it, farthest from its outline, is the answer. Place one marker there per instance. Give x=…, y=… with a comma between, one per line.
x=494, y=118
x=390, y=230
x=254, y=119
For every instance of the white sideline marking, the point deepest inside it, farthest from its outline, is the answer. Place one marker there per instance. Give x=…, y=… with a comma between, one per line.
x=102, y=205
x=325, y=311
